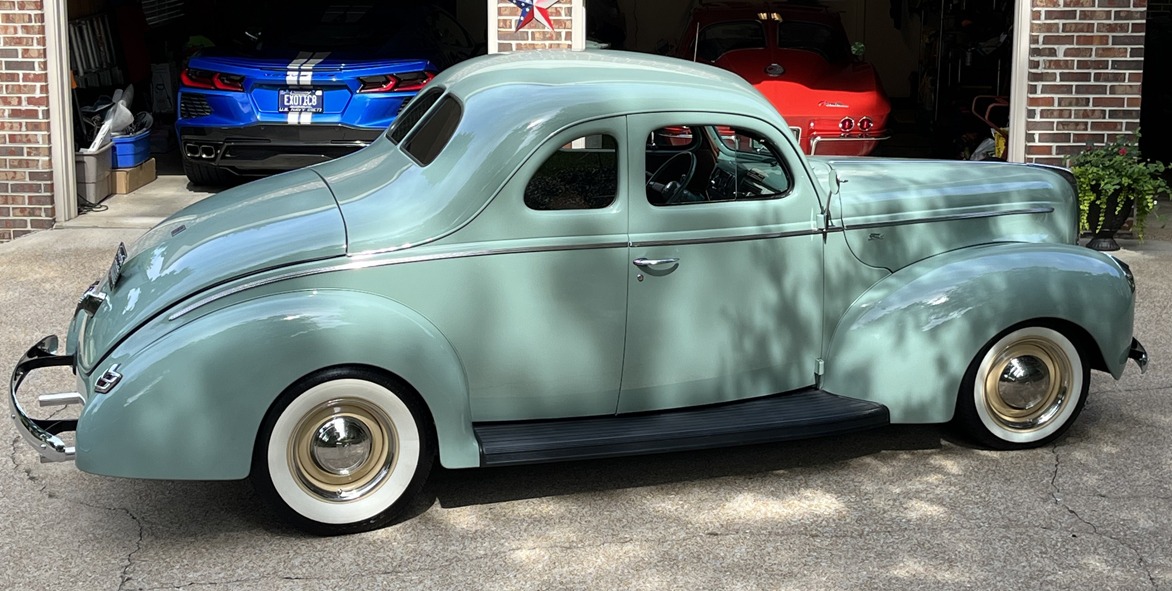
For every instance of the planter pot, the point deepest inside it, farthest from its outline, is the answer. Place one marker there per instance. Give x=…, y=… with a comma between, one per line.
x=1113, y=218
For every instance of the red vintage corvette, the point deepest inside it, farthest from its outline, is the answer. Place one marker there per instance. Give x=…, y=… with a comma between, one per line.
x=800, y=59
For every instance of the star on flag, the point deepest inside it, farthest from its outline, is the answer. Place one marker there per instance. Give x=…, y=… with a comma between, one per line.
x=531, y=9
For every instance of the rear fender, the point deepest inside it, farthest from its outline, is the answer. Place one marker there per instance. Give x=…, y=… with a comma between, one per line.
x=908, y=340
x=191, y=402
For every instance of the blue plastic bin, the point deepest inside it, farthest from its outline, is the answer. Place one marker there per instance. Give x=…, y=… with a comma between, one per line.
x=132, y=150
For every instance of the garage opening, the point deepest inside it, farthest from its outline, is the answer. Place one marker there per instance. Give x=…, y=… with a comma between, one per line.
x=943, y=66
x=222, y=92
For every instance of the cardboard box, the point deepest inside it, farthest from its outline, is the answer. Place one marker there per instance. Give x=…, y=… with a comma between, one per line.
x=130, y=179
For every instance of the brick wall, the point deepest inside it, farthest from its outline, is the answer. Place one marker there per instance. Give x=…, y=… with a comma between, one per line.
x=535, y=35
x=26, y=176
x=1085, y=71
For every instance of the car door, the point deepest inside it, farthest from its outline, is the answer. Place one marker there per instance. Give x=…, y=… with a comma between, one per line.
x=538, y=312
x=725, y=269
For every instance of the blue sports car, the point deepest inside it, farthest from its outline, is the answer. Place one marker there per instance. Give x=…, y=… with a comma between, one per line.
x=315, y=82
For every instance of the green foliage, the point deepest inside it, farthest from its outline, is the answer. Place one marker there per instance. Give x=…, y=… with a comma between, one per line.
x=1117, y=169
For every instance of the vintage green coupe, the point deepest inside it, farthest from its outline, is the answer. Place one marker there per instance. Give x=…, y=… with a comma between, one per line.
x=559, y=255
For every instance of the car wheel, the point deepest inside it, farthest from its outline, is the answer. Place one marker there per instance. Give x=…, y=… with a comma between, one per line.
x=207, y=175
x=343, y=451
x=1024, y=389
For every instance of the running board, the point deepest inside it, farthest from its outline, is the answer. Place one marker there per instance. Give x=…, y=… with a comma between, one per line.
x=796, y=415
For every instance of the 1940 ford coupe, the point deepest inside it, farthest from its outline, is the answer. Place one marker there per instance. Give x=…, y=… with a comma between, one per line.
x=520, y=270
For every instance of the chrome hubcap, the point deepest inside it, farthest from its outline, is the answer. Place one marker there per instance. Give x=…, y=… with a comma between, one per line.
x=1028, y=384
x=341, y=445
x=343, y=450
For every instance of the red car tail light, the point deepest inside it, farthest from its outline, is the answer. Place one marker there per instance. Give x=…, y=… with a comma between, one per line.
x=846, y=124
x=400, y=83
x=211, y=80
x=866, y=124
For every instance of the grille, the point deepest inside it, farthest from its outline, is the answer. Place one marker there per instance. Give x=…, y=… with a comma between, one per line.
x=194, y=105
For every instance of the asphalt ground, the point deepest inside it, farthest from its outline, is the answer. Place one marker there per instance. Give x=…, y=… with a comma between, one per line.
x=896, y=508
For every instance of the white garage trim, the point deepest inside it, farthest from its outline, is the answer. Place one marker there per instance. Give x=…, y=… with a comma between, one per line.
x=1019, y=81
x=60, y=111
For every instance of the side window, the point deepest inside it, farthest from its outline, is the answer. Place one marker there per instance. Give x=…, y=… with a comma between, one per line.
x=723, y=163
x=583, y=174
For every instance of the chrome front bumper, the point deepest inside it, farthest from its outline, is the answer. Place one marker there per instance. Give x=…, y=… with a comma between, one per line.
x=1139, y=354
x=42, y=434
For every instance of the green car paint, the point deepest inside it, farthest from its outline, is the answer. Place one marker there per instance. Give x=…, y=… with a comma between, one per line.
x=852, y=280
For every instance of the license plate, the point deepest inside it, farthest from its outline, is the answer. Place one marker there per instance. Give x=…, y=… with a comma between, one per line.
x=299, y=101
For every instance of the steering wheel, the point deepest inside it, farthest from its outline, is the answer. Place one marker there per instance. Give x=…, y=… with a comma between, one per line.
x=670, y=179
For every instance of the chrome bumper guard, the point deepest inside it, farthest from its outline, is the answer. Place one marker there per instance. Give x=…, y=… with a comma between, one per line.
x=1139, y=354
x=42, y=434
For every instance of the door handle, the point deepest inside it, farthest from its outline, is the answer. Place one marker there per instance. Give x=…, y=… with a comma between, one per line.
x=642, y=262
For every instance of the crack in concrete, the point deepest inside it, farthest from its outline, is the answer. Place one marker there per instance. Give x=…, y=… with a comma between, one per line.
x=125, y=574
x=27, y=472
x=1056, y=494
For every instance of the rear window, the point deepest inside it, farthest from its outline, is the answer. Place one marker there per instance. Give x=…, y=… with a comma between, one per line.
x=411, y=115
x=433, y=134
x=721, y=38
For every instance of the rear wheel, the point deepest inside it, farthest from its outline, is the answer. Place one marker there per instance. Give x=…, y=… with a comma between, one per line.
x=207, y=175
x=343, y=451
x=1024, y=389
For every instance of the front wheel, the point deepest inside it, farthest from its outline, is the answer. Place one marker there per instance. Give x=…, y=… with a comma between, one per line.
x=343, y=451
x=1023, y=390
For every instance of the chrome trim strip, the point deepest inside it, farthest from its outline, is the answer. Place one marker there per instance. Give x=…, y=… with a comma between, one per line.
x=761, y=236
x=949, y=218
x=370, y=264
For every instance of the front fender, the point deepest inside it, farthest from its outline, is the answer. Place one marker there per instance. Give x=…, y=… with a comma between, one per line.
x=907, y=342
x=191, y=402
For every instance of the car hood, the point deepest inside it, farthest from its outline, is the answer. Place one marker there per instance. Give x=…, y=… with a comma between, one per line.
x=896, y=212
x=265, y=224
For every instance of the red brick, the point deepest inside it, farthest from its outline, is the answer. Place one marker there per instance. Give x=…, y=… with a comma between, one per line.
x=1093, y=64
x=1075, y=27
x=1133, y=89
x=1093, y=15
x=14, y=223
x=1110, y=27
x=13, y=199
x=1077, y=52
x=1033, y=101
x=1090, y=89
x=1106, y=126
x=1054, y=113
x=1039, y=150
x=43, y=176
x=1071, y=125
x=1056, y=89
x=1063, y=101
x=40, y=224
x=1060, y=15
x=1104, y=102
x=1110, y=77
x=1074, y=76
x=1057, y=39
x=41, y=199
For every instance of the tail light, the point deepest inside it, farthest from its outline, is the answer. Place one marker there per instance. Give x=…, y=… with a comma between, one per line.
x=866, y=124
x=395, y=83
x=846, y=124
x=211, y=80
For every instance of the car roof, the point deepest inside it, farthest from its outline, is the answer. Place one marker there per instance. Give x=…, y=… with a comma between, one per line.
x=601, y=83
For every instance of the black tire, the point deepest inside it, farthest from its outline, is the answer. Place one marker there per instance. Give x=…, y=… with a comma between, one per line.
x=1024, y=389
x=344, y=450
x=207, y=175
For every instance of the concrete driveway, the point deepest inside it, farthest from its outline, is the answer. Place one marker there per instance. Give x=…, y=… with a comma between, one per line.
x=900, y=508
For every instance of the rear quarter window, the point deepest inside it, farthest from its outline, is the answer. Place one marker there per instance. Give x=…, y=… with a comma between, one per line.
x=416, y=108
x=430, y=137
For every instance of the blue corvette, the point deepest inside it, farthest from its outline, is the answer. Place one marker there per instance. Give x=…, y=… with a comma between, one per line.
x=314, y=85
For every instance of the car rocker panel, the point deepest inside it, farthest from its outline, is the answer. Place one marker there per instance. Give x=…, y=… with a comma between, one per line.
x=443, y=292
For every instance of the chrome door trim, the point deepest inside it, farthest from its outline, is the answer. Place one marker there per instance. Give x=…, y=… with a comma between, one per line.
x=372, y=263
x=948, y=218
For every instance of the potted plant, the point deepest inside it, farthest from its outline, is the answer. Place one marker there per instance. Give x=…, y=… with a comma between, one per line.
x=1115, y=182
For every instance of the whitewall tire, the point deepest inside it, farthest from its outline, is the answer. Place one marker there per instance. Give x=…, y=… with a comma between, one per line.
x=1024, y=389
x=343, y=451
